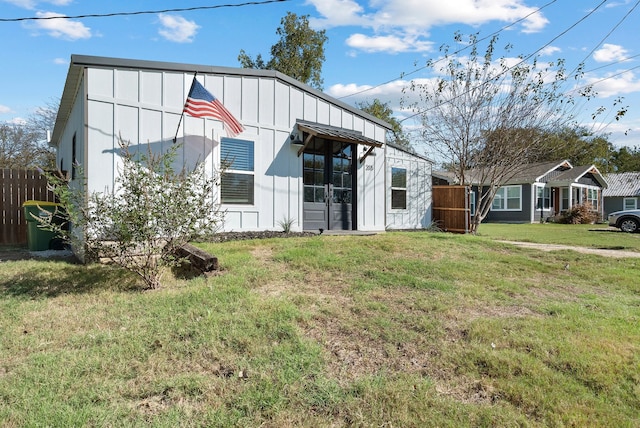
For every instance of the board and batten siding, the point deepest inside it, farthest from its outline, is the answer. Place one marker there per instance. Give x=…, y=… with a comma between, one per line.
x=419, y=191
x=144, y=106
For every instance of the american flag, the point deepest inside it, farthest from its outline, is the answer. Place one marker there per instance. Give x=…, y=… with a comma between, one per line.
x=201, y=103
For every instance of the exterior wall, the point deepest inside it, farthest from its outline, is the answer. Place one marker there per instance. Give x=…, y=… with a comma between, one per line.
x=144, y=107
x=64, y=154
x=372, y=189
x=612, y=204
x=616, y=203
x=419, y=191
x=521, y=216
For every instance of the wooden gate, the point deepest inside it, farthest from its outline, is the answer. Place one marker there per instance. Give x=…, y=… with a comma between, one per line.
x=451, y=208
x=18, y=186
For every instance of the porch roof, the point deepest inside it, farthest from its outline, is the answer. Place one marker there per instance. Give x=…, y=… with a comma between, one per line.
x=572, y=176
x=336, y=134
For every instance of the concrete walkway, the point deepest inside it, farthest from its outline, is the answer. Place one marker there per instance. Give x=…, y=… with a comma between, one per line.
x=585, y=250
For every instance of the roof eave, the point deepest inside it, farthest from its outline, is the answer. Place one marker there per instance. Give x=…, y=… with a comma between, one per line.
x=71, y=87
x=79, y=62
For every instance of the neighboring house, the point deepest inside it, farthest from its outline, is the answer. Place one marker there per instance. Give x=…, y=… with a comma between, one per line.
x=303, y=155
x=541, y=190
x=623, y=192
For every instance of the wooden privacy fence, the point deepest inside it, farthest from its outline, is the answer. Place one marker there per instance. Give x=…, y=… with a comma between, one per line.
x=451, y=208
x=18, y=186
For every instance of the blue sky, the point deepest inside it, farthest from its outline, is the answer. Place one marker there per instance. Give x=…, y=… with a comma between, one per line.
x=370, y=42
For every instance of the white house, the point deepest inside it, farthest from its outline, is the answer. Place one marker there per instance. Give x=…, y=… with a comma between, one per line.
x=303, y=155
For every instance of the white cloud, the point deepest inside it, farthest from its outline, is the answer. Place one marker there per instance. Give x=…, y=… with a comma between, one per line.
x=625, y=83
x=26, y=4
x=18, y=121
x=369, y=92
x=4, y=109
x=550, y=50
x=390, y=93
x=61, y=28
x=177, y=29
x=396, y=22
x=337, y=13
x=423, y=14
x=391, y=43
x=610, y=53
x=60, y=61
x=31, y=4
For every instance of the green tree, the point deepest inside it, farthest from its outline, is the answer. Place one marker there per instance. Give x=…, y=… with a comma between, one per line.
x=580, y=147
x=299, y=53
x=626, y=159
x=382, y=111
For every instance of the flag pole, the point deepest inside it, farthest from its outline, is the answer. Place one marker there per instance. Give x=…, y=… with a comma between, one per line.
x=175, y=138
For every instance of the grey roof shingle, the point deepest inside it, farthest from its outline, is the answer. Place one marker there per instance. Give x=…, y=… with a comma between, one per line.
x=557, y=173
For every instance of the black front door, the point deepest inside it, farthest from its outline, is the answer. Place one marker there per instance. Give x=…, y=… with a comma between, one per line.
x=329, y=183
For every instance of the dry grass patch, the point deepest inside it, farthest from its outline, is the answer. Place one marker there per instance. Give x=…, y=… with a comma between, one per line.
x=399, y=329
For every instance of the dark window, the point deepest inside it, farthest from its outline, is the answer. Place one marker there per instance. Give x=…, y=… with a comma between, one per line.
x=237, y=188
x=543, y=198
x=237, y=181
x=398, y=188
x=313, y=177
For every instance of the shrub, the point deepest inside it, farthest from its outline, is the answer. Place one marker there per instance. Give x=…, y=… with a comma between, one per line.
x=152, y=211
x=579, y=214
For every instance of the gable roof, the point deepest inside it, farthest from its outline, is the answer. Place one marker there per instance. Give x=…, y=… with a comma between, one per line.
x=573, y=175
x=79, y=62
x=623, y=184
x=556, y=173
x=536, y=172
x=526, y=174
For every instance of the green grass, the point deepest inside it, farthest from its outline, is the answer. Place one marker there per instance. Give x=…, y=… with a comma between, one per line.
x=584, y=235
x=400, y=329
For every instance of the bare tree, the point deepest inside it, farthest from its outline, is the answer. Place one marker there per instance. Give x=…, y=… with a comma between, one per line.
x=25, y=145
x=487, y=117
x=19, y=147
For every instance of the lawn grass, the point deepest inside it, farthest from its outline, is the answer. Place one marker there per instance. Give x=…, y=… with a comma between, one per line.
x=404, y=329
x=583, y=235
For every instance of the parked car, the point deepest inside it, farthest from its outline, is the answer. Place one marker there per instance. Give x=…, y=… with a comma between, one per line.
x=626, y=221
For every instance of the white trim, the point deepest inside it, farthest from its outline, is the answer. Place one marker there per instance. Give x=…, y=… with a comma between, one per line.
x=405, y=188
x=251, y=172
x=537, y=186
x=635, y=203
x=519, y=186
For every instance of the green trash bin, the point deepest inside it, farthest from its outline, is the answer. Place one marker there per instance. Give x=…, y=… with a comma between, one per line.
x=38, y=239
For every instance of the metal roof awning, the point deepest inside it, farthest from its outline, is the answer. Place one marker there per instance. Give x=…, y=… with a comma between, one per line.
x=335, y=134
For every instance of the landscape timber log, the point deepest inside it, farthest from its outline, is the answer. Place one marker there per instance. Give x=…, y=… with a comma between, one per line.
x=198, y=258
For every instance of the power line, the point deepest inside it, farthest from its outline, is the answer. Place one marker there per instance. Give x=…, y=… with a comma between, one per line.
x=605, y=37
x=572, y=26
x=619, y=73
x=145, y=12
x=403, y=75
x=625, y=59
